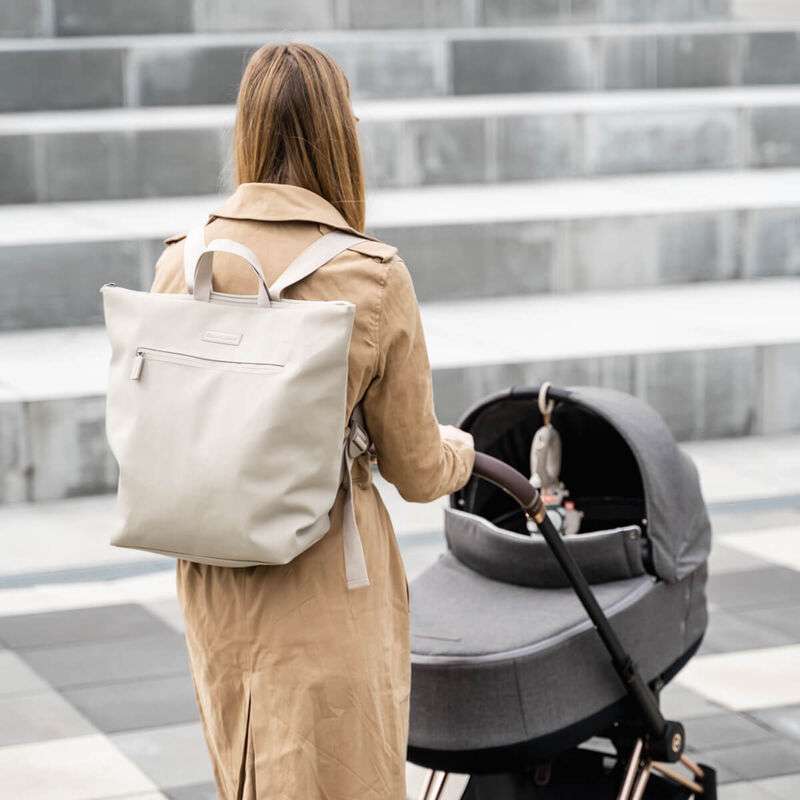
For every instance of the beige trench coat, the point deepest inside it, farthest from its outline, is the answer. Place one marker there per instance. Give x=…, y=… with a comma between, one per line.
x=302, y=685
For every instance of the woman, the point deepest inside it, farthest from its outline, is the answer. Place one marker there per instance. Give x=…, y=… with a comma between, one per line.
x=302, y=685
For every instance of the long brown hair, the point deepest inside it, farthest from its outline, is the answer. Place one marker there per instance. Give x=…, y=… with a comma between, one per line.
x=294, y=125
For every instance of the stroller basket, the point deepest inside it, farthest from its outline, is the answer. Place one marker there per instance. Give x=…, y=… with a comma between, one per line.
x=509, y=674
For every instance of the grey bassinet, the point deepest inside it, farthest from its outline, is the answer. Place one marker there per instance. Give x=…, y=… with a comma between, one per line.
x=506, y=667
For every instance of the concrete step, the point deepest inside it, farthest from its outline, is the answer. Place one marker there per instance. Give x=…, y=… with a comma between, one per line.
x=57, y=555
x=61, y=542
x=718, y=360
x=150, y=152
x=96, y=17
x=459, y=241
x=190, y=69
x=109, y=17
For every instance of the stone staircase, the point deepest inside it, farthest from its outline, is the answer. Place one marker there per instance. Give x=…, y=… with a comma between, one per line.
x=603, y=191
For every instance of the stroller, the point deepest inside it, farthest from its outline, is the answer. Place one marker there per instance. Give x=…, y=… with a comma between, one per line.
x=513, y=692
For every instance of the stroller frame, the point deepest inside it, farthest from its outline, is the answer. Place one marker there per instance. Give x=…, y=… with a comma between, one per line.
x=655, y=745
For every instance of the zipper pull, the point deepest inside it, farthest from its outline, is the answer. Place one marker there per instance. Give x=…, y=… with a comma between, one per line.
x=138, y=363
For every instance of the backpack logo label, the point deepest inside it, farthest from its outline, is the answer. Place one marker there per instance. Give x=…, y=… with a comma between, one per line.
x=220, y=337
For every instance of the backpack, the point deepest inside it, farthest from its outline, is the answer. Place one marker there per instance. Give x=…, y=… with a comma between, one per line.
x=227, y=414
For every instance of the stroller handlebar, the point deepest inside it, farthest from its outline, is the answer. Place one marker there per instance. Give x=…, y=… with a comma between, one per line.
x=511, y=481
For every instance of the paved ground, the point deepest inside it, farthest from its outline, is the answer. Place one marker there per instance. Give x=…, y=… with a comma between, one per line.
x=96, y=701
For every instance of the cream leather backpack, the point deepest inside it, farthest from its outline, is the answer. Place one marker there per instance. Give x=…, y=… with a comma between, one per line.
x=226, y=414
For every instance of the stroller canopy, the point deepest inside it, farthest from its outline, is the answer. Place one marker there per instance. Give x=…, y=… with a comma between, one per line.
x=507, y=669
x=614, y=445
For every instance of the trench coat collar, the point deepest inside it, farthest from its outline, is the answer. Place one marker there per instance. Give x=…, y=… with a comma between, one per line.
x=280, y=202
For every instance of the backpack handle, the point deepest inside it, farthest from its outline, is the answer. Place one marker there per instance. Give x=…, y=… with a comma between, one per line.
x=203, y=267
x=197, y=262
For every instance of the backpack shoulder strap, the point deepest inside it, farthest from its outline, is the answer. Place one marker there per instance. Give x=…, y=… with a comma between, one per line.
x=312, y=258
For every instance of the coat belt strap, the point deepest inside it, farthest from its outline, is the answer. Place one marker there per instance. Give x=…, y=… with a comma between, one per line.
x=356, y=444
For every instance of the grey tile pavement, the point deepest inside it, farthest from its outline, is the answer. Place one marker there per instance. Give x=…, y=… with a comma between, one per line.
x=754, y=515
x=110, y=662
x=724, y=730
x=755, y=760
x=729, y=559
x=169, y=612
x=78, y=625
x=784, y=720
x=136, y=704
x=782, y=788
x=757, y=588
x=173, y=755
x=728, y=632
x=785, y=619
x=40, y=717
x=117, y=674
x=197, y=791
x=17, y=676
x=679, y=702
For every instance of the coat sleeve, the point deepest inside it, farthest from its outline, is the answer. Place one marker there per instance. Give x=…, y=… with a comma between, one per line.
x=169, y=270
x=398, y=405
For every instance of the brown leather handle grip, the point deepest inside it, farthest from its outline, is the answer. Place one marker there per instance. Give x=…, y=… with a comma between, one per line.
x=511, y=481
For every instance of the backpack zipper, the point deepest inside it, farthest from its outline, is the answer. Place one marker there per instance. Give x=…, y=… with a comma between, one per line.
x=138, y=363
x=186, y=359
